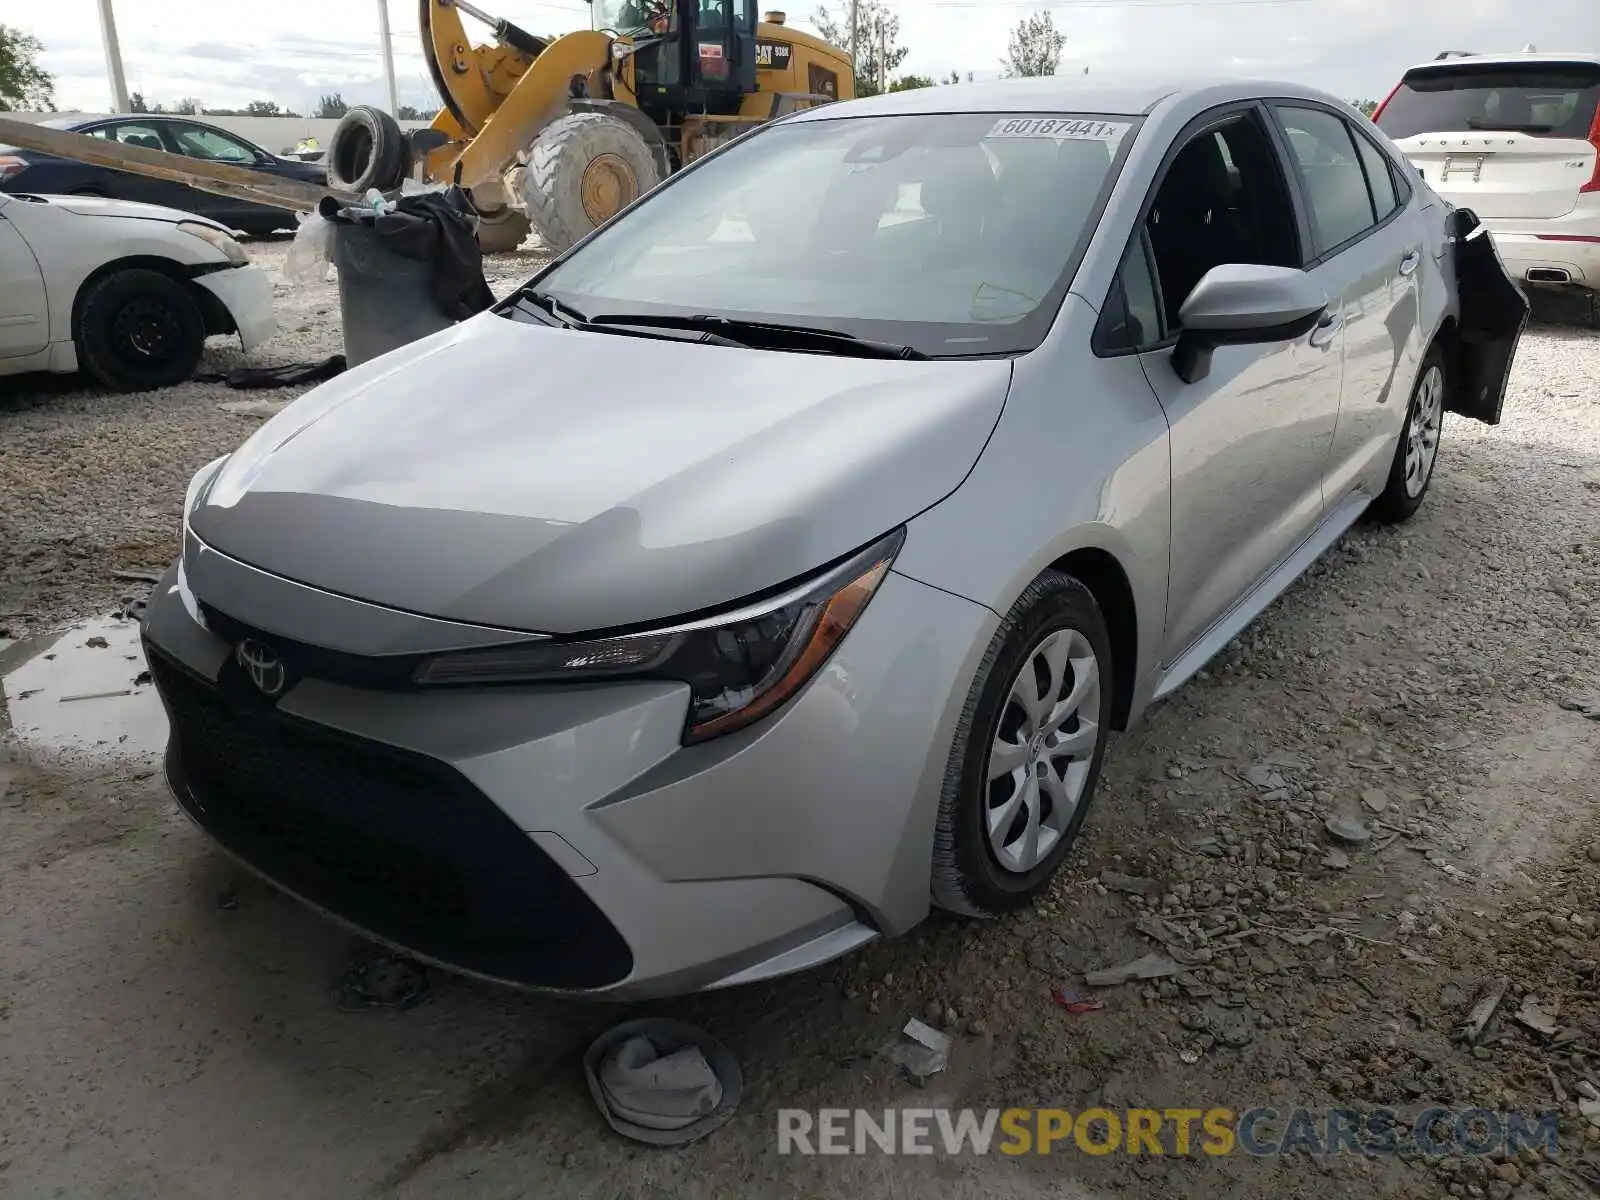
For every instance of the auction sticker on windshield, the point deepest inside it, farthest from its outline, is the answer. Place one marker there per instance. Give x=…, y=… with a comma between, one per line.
x=1061, y=129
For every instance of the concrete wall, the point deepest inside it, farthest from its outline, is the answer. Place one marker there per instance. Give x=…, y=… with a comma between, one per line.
x=277, y=134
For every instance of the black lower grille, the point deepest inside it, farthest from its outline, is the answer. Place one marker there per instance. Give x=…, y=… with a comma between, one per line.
x=396, y=843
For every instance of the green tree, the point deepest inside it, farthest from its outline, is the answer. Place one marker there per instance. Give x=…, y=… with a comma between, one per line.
x=878, y=50
x=262, y=108
x=1367, y=107
x=332, y=107
x=24, y=84
x=410, y=113
x=907, y=83
x=1035, y=47
x=137, y=104
x=955, y=77
x=189, y=107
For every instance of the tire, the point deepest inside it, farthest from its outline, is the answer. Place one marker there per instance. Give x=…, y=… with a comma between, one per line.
x=502, y=230
x=971, y=876
x=584, y=168
x=139, y=330
x=368, y=150
x=1411, y=469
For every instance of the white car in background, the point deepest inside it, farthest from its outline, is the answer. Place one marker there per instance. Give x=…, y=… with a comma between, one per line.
x=1515, y=138
x=125, y=292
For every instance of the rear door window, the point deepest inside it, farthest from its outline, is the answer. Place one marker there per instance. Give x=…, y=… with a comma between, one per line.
x=1380, y=177
x=1325, y=156
x=1541, y=99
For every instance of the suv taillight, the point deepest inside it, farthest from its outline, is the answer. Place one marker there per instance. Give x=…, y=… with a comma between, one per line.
x=1594, y=140
x=11, y=165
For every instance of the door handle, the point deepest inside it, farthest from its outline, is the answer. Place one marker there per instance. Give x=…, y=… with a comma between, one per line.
x=1327, y=329
x=1410, y=263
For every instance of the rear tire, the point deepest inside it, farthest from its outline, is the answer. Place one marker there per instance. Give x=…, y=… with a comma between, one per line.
x=139, y=330
x=583, y=169
x=1417, y=451
x=1027, y=752
x=368, y=150
x=502, y=230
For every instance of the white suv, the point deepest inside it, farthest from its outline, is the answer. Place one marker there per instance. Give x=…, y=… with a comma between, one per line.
x=1515, y=138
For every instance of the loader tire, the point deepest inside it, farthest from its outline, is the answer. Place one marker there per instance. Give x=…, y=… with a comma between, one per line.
x=368, y=150
x=583, y=169
x=502, y=230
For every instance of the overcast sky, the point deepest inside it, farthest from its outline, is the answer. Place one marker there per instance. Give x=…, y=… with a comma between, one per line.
x=292, y=51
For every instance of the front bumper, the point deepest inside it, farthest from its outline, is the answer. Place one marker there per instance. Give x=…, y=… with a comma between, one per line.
x=246, y=292
x=563, y=838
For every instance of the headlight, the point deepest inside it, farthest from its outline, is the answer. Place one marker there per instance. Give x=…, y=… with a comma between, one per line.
x=197, y=484
x=218, y=239
x=739, y=666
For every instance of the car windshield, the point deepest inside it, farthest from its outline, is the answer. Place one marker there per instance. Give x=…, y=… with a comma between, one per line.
x=1542, y=99
x=951, y=234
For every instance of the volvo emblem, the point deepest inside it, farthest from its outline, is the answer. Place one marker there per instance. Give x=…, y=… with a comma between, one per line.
x=264, y=667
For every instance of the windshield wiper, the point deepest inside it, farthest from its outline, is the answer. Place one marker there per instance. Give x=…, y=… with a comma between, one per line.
x=570, y=318
x=766, y=335
x=1507, y=126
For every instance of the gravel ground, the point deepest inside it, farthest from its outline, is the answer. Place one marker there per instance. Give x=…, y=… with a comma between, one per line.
x=166, y=1028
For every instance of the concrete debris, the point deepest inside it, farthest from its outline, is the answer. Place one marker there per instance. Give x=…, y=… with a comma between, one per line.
x=260, y=409
x=1264, y=777
x=1347, y=830
x=1151, y=966
x=1587, y=705
x=922, y=1050
x=1590, y=1110
x=1539, y=1015
x=1336, y=859
x=1132, y=884
x=1375, y=800
x=1472, y=1028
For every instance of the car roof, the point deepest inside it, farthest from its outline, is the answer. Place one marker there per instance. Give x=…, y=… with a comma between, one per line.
x=1122, y=94
x=1504, y=60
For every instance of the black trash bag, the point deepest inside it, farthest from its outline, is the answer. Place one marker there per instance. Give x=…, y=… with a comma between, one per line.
x=441, y=229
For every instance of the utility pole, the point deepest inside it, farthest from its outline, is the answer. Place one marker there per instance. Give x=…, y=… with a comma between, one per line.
x=388, y=57
x=119, y=82
x=855, y=59
x=883, y=54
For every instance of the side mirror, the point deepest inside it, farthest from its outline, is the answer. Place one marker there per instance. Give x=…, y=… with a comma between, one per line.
x=1244, y=304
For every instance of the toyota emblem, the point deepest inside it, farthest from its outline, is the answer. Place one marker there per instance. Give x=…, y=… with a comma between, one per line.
x=264, y=667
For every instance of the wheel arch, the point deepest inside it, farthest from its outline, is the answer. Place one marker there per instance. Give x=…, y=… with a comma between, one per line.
x=217, y=317
x=1100, y=571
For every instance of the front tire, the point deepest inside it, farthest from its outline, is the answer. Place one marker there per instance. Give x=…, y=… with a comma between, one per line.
x=1027, y=752
x=583, y=169
x=502, y=230
x=1417, y=452
x=139, y=330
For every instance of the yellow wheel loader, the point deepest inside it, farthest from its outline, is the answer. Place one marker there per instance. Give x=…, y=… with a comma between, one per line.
x=557, y=135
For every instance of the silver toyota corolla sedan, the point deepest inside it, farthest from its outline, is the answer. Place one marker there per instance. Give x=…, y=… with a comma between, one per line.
x=775, y=564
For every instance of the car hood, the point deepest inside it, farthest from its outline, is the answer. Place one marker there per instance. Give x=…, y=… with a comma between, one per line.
x=99, y=206
x=515, y=475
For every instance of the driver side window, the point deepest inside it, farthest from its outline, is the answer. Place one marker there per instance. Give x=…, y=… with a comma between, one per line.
x=1223, y=200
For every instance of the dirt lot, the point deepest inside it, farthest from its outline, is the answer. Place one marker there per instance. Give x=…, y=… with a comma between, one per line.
x=168, y=1029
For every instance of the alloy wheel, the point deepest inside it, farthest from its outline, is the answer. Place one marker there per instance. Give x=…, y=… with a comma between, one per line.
x=1043, y=749
x=1422, y=431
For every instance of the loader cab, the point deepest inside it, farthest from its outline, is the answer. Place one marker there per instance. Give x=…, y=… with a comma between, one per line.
x=691, y=56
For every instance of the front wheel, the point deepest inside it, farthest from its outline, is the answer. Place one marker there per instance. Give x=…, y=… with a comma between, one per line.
x=583, y=169
x=1027, y=751
x=1411, y=470
x=139, y=330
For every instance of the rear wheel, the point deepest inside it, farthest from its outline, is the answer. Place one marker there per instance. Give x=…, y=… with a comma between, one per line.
x=502, y=229
x=139, y=330
x=583, y=169
x=1027, y=751
x=1411, y=470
